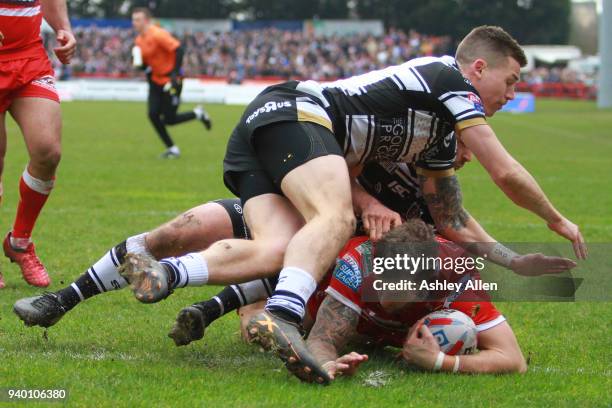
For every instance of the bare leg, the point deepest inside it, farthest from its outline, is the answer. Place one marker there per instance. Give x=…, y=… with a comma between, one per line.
x=194, y=230
x=42, y=135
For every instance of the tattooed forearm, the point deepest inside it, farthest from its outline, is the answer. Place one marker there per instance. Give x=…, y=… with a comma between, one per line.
x=445, y=202
x=335, y=325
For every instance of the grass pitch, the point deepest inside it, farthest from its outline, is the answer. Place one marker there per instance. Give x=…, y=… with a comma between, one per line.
x=112, y=351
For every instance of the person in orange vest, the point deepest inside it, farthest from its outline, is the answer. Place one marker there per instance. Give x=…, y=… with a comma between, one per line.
x=161, y=56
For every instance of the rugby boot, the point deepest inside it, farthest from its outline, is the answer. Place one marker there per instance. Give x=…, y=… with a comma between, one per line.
x=148, y=279
x=32, y=269
x=283, y=338
x=203, y=116
x=44, y=310
x=189, y=325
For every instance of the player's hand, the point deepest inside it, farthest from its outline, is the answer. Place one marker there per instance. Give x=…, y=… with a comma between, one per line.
x=420, y=347
x=172, y=85
x=378, y=219
x=348, y=364
x=569, y=230
x=539, y=264
x=67, y=46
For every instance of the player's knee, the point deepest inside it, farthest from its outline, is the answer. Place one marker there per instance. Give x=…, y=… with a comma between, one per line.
x=154, y=115
x=169, y=119
x=275, y=252
x=344, y=224
x=163, y=241
x=47, y=158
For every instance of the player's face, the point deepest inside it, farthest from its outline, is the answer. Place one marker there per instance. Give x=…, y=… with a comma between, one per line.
x=463, y=156
x=496, y=84
x=139, y=22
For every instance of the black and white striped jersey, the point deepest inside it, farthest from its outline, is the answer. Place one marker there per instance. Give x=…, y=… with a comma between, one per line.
x=404, y=113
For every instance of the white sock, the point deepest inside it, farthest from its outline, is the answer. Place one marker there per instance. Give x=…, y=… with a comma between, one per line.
x=198, y=112
x=104, y=273
x=189, y=270
x=38, y=185
x=137, y=245
x=174, y=149
x=294, y=288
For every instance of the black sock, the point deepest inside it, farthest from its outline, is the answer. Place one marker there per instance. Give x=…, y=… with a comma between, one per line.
x=224, y=302
x=69, y=296
x=285, y=314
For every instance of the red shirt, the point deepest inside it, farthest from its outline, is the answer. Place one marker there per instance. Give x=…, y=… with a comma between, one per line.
x=20, y=22
x=345, y=285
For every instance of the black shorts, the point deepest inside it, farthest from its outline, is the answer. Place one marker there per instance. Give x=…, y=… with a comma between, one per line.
x=280, y=130
x=234, y=210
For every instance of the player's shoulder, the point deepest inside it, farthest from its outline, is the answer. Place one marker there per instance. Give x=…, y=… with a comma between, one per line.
x=442, y=73
x=356, y=247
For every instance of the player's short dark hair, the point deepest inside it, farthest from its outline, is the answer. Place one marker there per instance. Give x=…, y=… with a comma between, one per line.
x=489, y=43
x=144, y=10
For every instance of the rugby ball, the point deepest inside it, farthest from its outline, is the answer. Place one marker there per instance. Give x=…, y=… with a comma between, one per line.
x=454, y=330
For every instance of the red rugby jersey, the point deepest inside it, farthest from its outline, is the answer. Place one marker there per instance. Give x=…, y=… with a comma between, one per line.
x=20, y=22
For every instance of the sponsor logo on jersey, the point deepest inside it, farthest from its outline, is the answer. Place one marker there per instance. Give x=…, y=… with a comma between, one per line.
x=47, y=82
x=392, y=136
x=398, y=189
x=472, y=97
x=448, y=138
x=268, y=107
x=347, y=272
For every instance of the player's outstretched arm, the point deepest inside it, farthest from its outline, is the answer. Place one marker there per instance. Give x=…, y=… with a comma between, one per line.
x=334, y=326
x=56, y=14
x=518, y=184
x=499, y=352
x=443, y=196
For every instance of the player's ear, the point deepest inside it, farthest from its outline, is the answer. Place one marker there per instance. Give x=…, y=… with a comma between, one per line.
x=479, y=66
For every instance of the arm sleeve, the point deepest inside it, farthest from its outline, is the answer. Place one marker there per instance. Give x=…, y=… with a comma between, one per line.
x=456, y=94
x=178, y=63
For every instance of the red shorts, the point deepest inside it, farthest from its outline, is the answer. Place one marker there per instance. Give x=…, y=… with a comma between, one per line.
x=26, y=78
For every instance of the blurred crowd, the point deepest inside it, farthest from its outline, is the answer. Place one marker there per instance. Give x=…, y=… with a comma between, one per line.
x=237, y=55
x=558, y=75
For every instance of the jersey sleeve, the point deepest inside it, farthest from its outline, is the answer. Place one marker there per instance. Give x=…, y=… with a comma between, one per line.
x=457, y=95
x=346, y=281
x=484, y=314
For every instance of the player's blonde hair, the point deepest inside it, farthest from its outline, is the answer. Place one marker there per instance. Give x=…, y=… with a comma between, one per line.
x=491, y=43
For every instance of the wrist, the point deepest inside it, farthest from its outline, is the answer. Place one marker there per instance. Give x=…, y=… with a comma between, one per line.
x=439, y=361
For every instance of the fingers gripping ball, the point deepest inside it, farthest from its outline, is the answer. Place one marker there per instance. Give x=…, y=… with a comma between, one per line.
x=454, y=331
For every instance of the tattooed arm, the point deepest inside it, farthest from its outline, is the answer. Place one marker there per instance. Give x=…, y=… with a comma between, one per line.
x=334, y=327
x=443, y=196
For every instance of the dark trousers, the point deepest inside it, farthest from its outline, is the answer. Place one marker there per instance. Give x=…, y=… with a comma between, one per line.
x=163, y=109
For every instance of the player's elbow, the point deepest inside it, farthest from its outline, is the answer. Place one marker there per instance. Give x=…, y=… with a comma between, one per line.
x=513, y=364
x=506, y=176
x=519, y=365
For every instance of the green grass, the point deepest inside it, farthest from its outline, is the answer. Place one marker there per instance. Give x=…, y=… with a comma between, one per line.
x=112, y=351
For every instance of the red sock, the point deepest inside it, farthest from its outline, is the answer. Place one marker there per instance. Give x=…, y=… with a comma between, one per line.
x=33, y=194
